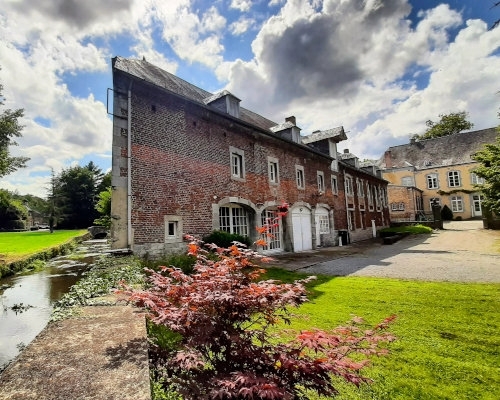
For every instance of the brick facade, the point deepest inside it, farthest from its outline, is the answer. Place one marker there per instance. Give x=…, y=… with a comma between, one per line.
x=181, y=173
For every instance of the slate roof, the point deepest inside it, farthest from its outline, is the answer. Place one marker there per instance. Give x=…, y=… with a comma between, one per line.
x=150, y=73
x=454, y=149
x=337, y=134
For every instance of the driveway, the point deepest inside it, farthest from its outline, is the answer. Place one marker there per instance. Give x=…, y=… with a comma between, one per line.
x=462, y=252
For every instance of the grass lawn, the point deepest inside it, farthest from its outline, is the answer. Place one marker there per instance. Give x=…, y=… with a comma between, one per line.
x=18, y=245
x=448, y=343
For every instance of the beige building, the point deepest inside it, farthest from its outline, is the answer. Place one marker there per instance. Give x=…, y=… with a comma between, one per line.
x=442, y=168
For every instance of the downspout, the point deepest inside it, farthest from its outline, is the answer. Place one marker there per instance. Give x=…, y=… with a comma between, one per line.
x=346, y=209
x=129, y=167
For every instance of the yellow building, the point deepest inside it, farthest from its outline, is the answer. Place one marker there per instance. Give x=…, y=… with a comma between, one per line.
x=442, y=168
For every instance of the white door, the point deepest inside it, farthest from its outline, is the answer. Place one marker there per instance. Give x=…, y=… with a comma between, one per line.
x=322, y=223
x=477, y=210
x=301, y=224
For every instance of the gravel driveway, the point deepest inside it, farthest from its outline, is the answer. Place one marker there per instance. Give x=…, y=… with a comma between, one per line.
x=462, y=252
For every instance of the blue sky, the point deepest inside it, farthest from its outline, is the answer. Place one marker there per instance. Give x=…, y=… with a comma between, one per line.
x=378, y=68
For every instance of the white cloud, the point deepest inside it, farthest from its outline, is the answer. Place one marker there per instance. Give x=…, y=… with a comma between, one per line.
x=242, y=5
x=241, y=26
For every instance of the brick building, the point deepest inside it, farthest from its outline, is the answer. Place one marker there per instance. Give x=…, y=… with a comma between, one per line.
x=188, y=161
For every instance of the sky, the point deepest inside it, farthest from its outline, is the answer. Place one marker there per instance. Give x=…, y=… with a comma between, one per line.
x=379, y=68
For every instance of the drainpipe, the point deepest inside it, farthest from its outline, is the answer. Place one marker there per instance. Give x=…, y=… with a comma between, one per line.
x=346, y=209
x=129, y=167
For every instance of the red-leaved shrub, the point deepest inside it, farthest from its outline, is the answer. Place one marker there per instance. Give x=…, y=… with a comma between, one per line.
x=222, y=314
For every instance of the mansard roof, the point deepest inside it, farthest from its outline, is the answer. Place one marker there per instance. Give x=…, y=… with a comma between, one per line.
x=448, y=150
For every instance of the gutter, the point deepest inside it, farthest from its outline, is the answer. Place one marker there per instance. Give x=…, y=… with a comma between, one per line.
x=129, y=166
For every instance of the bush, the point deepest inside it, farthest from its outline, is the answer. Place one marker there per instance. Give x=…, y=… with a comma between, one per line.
x=218, y=344
x=183, y=261
x=446, y=213
x=226, y=239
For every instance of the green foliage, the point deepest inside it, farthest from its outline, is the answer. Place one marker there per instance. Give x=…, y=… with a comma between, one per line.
x=103, y=206
x=226, y=239
x=411, y=229
x=183, y=261
x=489, y=170
x=105, y=276
x=13, y=213
x=9, y=129
x=74, y=194
x=446, y=213
x=447, y=125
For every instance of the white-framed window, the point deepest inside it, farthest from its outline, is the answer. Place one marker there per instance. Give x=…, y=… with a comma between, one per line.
x=324, y=224
x=407, y=181
x=273, y=170
x=350, y=220
x=457, y=204
x=401, y=206
x=299, y=174
x=237, y=163
x=432, y=181
x=233, y=219
x=476, y=180
x=370, y=196
x=453, y=178
x=349, y=190
x=434, y=200
x=360, y=186
x=173, y=228
x=335, y=185
x=321, y=181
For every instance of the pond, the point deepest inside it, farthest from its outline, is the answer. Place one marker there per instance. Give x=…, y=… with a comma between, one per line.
x=26, y=301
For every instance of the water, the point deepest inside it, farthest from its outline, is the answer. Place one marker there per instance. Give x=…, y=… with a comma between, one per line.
x=26, y=301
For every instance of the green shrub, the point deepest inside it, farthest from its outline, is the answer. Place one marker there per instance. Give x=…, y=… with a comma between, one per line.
x=226, y=239
x=411, y=229
x=183, y=261
x=446, y=213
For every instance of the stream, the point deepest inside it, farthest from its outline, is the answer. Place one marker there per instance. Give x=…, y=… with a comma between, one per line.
x=26, y=301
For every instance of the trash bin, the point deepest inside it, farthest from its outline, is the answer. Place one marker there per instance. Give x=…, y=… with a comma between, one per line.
x=344, y=236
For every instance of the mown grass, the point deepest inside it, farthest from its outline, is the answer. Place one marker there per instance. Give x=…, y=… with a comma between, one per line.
x=448, y=344
x=17, y=245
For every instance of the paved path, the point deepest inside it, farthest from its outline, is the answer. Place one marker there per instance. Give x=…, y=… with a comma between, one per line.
x=463, y=252
x=98, y=355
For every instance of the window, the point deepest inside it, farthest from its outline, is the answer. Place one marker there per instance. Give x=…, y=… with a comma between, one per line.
x=233, y=219
x=360, y=186
x=407, y=181
x=321, y=181
x=335, y=187
x=299, y=171
x=401, y=206
x=394, y=207
x=434, y=200
x=432, y=181
x=273, y=170
x=349, y=190
x=457, y=204
x=476, y=180
x=324, y=224
x=237, y=163
x=453, y=178
x=273, y=234
x=173, y=228
x=369, y=195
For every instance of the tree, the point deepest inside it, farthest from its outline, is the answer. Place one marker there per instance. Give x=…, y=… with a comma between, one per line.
x=448, y=125
x=76, y=194
x=497, y=22
x=222, y=346
x=13, y=213
x=9, y=129
x=103, y=207
x=489, y=170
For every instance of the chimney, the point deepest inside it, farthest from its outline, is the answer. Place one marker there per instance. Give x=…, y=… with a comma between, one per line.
x=388, y=159
x=346, y=151
x=291, y=119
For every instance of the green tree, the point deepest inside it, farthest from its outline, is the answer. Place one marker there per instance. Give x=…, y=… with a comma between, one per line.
x=447, y=125
x=76, y=191
x=13, y=213
x=489, y=170
x=103, y=207
x=9, y=129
